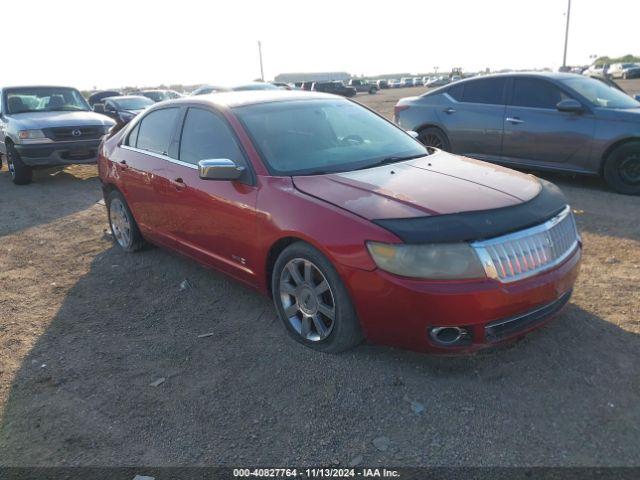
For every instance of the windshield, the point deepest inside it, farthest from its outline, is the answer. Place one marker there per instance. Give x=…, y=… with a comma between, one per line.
x=600, y=94
x=156, y=96
x=256, y=86
x=44, y=99
x=137, y=103
x=323, y=136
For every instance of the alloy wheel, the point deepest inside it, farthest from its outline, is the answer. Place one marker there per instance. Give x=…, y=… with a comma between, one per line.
x=120, y=223
x=307, y=300
x=433, y=140
x=629, y=169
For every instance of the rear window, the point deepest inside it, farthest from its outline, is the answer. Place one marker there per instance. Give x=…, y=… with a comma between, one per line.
x=488, y=91
x=156, y=131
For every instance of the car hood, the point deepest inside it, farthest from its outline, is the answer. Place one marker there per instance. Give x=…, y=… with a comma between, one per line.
x=437, y=184
x=39, y=120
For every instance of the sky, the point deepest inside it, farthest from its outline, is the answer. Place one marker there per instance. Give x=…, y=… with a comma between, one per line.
x=98, y=44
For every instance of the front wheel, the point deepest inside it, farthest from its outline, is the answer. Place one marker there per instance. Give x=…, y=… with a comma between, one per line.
x=622, y=169
x=312, y=301
x=20, y=173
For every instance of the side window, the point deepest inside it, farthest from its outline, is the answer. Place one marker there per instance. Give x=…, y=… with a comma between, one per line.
x=133, y=136
x=456, y=91
x=487, y=90
x=206, y=136
x=156, y=131
x=536, y=93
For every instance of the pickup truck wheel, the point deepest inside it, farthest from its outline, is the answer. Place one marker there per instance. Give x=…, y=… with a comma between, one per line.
x=21, y=174
x=123, y=226
x=622, y=169
x=312, y=301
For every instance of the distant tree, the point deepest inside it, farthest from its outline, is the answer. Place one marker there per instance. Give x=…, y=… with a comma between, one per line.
x=625, y=59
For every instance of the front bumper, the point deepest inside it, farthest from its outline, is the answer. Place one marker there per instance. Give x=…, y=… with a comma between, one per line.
x=399, y=311
x=59, y=153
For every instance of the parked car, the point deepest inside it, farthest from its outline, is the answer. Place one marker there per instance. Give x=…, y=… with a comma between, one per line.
x=597, y=70
x=124, y=108
x=362, y=86
x=455, y=78
x=406, y=82
x=283, y=85
x=624, y=70
x=44, y=126
x=335, y=87
x=394, y=83
x=254, y=86
x=437, y=82
x=207, y=89
x=418, y=82
x=547, y=121
x=382, y=84
x=460, y=254
x=97, y=97
x=306, y=86
x=159, y=95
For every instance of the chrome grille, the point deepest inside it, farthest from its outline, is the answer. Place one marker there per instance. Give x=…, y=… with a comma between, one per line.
x=525, y=253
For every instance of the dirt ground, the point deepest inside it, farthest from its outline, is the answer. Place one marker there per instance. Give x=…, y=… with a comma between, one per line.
x=86, y=329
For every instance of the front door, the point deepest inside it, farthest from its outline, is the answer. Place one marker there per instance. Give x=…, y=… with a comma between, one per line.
x=537, y=134
x=214, y=220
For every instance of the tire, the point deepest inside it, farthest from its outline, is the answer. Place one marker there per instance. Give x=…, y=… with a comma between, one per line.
x=622, y=169
x=314, y=306
x=434, y=137
x=21, y=174
x=123, y=226
x=373, y=91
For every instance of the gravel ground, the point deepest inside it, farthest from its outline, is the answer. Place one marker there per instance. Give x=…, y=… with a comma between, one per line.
x=86, y=331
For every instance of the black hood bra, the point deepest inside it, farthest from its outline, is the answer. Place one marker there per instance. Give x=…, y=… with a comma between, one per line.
x=480, y=224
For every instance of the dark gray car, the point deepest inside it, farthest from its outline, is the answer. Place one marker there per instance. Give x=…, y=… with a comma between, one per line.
x=545, y=121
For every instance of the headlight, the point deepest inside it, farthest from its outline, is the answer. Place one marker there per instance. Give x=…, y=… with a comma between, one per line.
x=30, y=134
x=438, y=261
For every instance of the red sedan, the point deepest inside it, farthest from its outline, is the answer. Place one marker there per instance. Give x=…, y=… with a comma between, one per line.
x=354, y=228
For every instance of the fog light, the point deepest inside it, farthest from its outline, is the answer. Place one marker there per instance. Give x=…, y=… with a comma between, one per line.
x=450, y=336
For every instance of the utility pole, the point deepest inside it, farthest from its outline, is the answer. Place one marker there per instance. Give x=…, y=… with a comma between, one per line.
x=566, y=35
x=260, y=53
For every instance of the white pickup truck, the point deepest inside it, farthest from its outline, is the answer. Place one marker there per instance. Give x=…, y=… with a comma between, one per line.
x=46, y=127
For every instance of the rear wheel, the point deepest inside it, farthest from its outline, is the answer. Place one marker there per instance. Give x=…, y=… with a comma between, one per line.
x=312, y=301
x=123, y=226
x=20, y=173
x=622, y=169
x=434, y=137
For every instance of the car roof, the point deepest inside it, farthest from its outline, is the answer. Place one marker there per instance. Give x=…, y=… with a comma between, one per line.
x=10, y=87
x=124, y=97
x=250, y=97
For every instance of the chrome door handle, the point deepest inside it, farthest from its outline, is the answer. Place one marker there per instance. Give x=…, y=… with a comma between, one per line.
x=449, y=110
x=514, y=120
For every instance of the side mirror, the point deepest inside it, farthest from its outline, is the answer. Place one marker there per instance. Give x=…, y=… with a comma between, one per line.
x=413, y=134
x=98, y=107
x=569, y=105
x=219, y=169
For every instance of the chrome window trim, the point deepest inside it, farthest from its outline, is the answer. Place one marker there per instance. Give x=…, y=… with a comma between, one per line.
x=160, y=156
x=490, y=267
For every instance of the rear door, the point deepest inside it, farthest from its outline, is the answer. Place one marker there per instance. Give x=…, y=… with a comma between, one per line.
x=474, y=117
x=537, y=134
x=143, y=161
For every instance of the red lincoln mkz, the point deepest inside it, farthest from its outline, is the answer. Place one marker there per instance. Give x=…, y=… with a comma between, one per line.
x=354, y=228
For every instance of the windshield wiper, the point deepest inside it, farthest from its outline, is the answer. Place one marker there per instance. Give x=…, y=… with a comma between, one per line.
x=393, y=159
